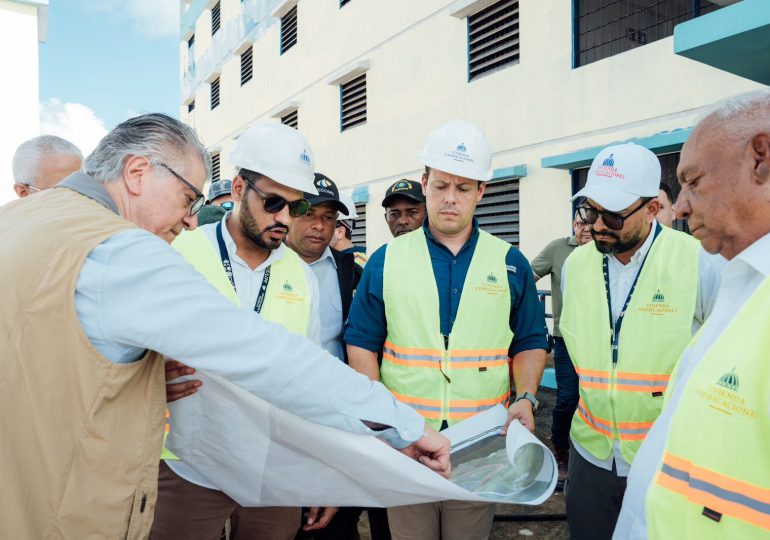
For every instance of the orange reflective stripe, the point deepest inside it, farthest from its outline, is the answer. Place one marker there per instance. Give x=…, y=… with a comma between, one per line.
x=479, y=402
x=168, y=415
x=735, y=498
x=434, y=364
x=594, y=378
x=642, y=382
x=479, y=364
x=412, y=350
x=598, y=424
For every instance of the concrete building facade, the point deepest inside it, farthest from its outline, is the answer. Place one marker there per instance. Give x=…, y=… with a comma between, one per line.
x=23, y=24
x=549, y=81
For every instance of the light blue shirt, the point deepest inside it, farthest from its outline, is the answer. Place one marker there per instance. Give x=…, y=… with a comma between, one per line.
x=135, y=293
x=325, y=270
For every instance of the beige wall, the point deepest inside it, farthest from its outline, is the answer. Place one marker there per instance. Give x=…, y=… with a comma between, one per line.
x=19, y=93
x=417, y=79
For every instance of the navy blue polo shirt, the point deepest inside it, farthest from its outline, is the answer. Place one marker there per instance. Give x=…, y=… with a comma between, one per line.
x=367, y=326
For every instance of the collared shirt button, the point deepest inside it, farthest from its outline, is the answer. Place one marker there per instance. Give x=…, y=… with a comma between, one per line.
x=454, y=261
x=454, y=291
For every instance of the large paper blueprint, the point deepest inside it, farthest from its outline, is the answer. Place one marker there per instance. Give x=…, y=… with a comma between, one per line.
x=264, y=456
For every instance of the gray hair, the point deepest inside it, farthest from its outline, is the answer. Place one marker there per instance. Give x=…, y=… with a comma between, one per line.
x=29, y=154
x=742, y=116
x=150, y=135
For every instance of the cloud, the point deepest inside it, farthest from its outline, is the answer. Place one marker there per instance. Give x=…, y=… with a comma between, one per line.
x=152, y=18
x=72, y=121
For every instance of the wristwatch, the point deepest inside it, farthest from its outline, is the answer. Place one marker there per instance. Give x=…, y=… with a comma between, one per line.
x=529, y=397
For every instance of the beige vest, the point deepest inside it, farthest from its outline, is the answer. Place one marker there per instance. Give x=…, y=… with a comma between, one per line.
x=80, y=436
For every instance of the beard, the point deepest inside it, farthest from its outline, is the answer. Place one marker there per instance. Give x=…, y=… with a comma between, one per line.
x=620, y=244
x=252, y=231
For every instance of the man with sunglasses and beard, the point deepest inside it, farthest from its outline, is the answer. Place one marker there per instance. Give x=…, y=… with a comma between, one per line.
x=632, y=300
x=244, y=257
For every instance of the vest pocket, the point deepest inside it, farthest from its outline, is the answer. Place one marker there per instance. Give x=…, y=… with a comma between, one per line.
x=136, y=516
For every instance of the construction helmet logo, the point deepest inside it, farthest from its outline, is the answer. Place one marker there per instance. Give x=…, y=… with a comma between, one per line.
x=324, y=182
x=304, y=157
x=461, y=147
x=609, y=162
x=730, y=381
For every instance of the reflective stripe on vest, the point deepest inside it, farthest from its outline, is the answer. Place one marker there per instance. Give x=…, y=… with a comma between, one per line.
x=418, y=364
x=287, y=300
x=621, y=401
x=714, y=481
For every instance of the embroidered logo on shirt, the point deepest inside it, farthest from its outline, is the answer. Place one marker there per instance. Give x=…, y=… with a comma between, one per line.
x=725, y=396
x=657, y=306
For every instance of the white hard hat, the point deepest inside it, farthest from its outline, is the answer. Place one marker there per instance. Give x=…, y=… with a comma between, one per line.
x=621, y=174
x=279, y=152
x=348, y=202
x=459, y=148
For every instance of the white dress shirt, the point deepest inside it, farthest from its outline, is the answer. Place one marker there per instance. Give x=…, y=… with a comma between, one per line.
x=248, y=281
x=325, y=269
x=740, y=278
x=622, y=278
x=135, y=292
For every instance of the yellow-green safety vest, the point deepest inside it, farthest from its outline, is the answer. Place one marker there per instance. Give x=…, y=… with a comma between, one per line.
x=417, y=363
x=287, y=299
x=714, y=481
x=621, y=401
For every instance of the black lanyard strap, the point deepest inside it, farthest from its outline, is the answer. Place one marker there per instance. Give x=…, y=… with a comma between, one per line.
x=229, y=270
x=616, y=325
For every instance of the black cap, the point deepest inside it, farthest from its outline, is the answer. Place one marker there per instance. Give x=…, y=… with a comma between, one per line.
x=327, y=192
x=403, y=188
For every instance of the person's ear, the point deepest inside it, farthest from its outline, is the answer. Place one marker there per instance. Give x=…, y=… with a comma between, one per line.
x=760, y=145
x=135, y=173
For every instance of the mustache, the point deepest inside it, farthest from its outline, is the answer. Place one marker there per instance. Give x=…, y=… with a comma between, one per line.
x=605, y=234
x=277, y=227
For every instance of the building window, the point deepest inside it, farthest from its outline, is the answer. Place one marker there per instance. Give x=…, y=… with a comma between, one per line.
x=216, y=18
x=343, y=2
x=214, y=167
x=191, y=107
x=291, y=119
x=247, y=65
x=606, y=28
x=358, y=236
x=289, y=30
x=668, y=164
x=493, y=38
x=214, y=93
x=353, y=102
x=498, y=210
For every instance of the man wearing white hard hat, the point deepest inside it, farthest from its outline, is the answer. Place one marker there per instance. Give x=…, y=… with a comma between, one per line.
x=244, y=257
x=467, y=302
x=632, y=299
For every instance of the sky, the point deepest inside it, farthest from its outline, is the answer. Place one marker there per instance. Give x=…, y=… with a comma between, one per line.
x=105, y=61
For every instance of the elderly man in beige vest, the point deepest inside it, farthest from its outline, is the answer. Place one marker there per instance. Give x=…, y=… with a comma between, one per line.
x=92, y=296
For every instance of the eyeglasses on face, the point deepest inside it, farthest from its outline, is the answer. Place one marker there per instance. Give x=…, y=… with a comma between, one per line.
x=612, y=220
x=275, y=203
x=197, y=204
x=30, y=187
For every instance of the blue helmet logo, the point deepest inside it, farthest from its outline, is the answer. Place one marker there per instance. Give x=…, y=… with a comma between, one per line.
x=609, y=162
x=304, y=158
x=461, y=147
x=323, y=182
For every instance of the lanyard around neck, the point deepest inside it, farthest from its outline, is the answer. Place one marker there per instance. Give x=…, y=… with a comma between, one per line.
x=229, y=270
x=617, y=324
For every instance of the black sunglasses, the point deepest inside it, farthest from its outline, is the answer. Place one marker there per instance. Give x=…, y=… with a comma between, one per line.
x=275, y=203
x=200, y=199
x=614, y=221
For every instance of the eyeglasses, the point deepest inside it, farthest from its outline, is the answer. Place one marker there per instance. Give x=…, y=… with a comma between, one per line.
x=275, y=203
x=614, y=221
x=197, y=204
